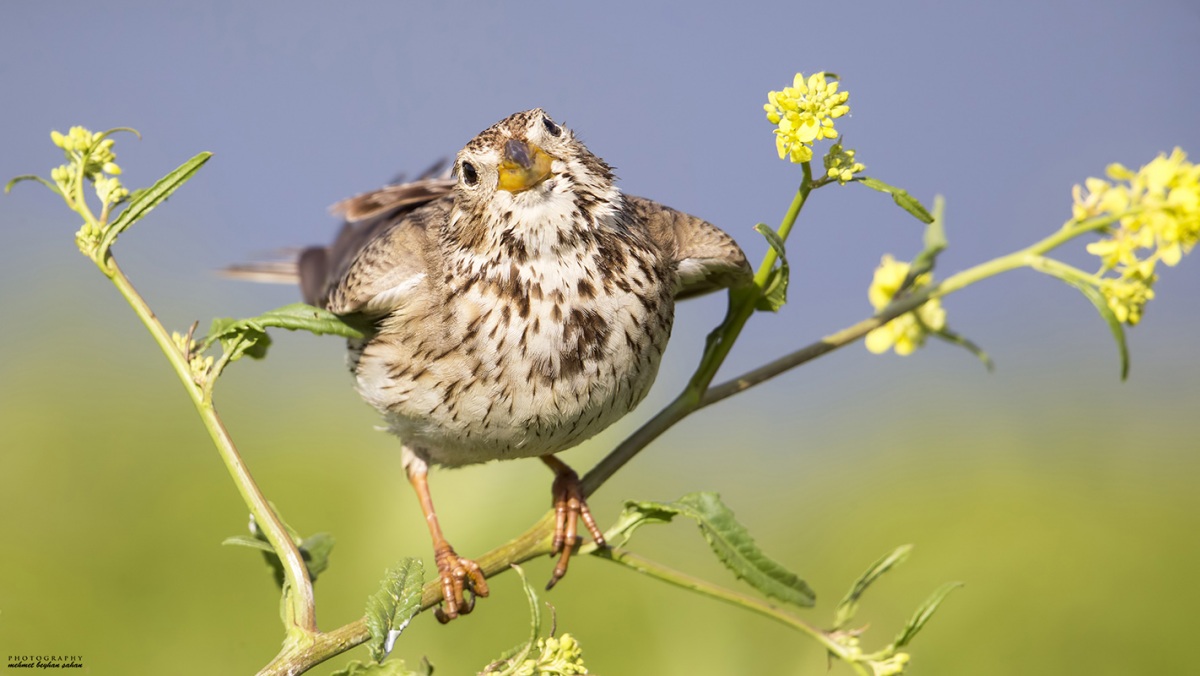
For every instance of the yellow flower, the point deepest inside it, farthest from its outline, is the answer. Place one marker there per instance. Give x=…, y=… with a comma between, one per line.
x=561, y=656
x=93, y=153
x=1127, y=296
x=1158, y=207
x=840, y=164
x=889, y=276
x=892, y=666
x=804, y=113
x=908, y=331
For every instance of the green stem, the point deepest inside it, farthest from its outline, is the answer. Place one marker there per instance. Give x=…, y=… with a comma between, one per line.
x=742, y=302
x=705, y=588
x=80, y=204
x=1028, y=257
x=785, y=226
x=295, y=572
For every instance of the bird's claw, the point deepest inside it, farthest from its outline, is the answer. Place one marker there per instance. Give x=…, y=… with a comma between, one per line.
x=462, y=580
x=569, y=508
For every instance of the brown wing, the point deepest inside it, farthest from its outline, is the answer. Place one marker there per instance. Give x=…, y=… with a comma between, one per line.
x=382, y=251
x=382, y=246
x=706, y=259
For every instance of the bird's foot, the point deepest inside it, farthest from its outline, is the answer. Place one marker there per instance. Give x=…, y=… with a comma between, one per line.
x=569, y=508
x=462, y=580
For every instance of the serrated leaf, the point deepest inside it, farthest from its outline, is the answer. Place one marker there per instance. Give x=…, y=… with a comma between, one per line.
x=245, y=340
x=143, y=202
x=923, y=614
x=732, y=544
x=1089, y=291
x=388, y=668
x=302, y=317
x=848, y=606
x=390, y=609
x=31, y=177
x=248, y=337
x=535, y=610
x=774, y=293
x=900, y=196
x=512, y=658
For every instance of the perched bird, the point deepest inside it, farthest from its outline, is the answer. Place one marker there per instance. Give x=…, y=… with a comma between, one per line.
x=516, y=309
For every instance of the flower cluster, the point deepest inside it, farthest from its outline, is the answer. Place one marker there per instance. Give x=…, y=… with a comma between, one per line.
x=559, y=656
x=891, y=666
x=840, y=164
x=804, y=113
x=199, y=366
x=908, y=331
x=89, y=156
x=884, y=663
x=1158, y=220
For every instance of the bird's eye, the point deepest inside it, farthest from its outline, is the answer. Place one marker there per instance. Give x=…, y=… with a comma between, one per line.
x=469, y=175
x=552, y=128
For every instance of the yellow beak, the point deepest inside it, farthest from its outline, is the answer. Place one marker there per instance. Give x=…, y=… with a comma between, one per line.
x=524, y=166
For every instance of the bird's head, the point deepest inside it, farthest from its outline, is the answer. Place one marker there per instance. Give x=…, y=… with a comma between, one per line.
x=529, y=169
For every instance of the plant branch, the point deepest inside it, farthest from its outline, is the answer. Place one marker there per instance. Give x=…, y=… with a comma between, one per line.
x=705, y=588
x=295, y=571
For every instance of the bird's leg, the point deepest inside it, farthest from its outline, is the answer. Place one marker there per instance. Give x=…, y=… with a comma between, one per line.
x=458, y=574
x=569, y=507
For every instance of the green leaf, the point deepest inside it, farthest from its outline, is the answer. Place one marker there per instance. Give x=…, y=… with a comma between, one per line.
x=298, y=317
x=935, y=232
x=246, y=340
x=901, y=197
x=314, y=550
x=774, y=293
x=1114, y=325
x=635, y=515
x=249, y=337
x=30, y=177
x=109, y=132
x=1082, y=281
x=965, y=343
x=935, y=243
x=388, y=668
x=248, y=541
x=535, y=610
x=919, y=618
x=143, y=201
x=513, y=657
x=730, y=541
x=390, y=609
x=848, y=606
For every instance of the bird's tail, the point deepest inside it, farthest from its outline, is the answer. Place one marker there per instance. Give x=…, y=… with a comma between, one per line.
x=282, y=268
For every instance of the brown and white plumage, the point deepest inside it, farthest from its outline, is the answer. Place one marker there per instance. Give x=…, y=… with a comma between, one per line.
x=518, y=308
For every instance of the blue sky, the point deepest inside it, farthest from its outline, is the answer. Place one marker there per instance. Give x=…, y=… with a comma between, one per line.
x=1001, y=108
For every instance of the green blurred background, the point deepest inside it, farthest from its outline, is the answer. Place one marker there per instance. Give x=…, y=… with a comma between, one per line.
x=1063, y=498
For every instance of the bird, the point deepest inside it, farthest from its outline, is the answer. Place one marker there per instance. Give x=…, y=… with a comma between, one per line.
x=515, y=306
